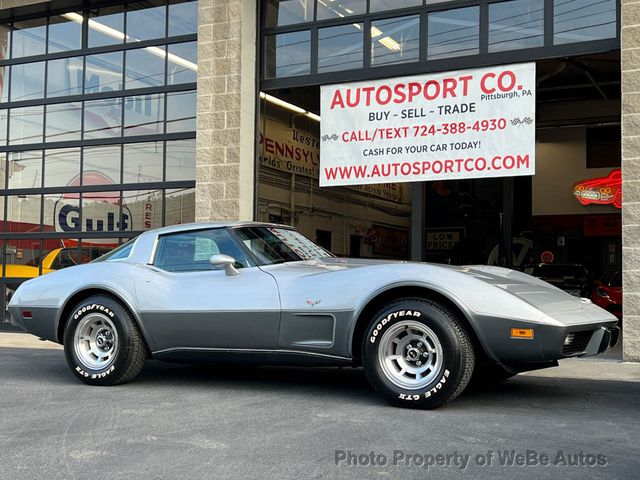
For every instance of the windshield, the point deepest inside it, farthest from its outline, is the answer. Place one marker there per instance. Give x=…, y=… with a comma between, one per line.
x=273, y=245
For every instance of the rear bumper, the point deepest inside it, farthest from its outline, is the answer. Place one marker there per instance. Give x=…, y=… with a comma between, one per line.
x=42, y=322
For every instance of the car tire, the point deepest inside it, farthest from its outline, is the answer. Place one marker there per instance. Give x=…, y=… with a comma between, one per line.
x=417, y=353
x=102, y=343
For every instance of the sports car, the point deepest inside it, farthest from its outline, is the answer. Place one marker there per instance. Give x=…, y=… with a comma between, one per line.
x=263, y=293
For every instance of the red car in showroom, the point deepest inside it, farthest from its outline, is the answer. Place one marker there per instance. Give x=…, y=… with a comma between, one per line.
x=608, y=295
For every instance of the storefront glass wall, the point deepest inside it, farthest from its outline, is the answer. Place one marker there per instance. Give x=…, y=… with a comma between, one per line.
x=310, y=43
x=97, y=131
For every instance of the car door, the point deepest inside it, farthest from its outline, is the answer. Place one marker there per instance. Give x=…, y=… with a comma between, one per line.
x=187, y=303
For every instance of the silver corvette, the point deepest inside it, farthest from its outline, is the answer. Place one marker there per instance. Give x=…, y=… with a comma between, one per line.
x=263, y=293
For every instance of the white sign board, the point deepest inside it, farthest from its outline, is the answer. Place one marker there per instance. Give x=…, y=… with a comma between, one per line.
x=466, y=124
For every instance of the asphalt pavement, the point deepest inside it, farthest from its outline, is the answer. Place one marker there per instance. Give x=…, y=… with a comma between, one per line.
x=214, y=422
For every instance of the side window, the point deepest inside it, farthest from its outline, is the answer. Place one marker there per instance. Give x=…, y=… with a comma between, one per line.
x=192, y=251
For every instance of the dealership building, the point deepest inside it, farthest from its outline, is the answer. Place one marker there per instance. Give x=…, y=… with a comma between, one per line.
x=117, y=117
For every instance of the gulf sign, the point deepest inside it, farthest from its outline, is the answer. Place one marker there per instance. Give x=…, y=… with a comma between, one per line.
x=465, y=124
x=100, y=210
x=600, y=191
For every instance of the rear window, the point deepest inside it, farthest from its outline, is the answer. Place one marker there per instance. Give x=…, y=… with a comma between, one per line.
x=118, y=253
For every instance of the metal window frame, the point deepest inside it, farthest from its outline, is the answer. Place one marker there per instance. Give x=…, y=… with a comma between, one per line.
x=484, y=58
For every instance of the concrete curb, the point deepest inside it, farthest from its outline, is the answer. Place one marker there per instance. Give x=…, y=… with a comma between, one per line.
x=24, y=340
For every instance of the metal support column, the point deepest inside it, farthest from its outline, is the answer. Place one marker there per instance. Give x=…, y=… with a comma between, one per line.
x=417, y=221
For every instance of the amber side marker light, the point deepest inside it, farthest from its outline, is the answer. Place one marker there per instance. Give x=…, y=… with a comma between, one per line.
x=526, y=333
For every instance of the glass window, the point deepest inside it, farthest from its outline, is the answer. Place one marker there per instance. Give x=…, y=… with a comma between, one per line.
x=3, y=126
x=103, y=72
x=101, y=165
x=65, y=32
x=379, y=5
x=183, y=18
x=101, y=211
x=288, y=12
x=5, y=42
x=4, y=80
x=3, y=177
x=103, y=118
x=64, y=77
x=583, y=20
x=25, y=169
x=181, y=160
x=516, y=24
x=453, y=33
x=105, y=26
x=142, y=162
x=144, y=115
x=62, y=166
x=23, y=214
x=340, y=48
x=62, y=211
x=64, y=122
x=27, y=81
x=192, y=251
x=395, y=40
x=29, y=38
x=289, y=54
x=181, y=112
x=145, y=207
x=340, y=8
x=144, y=23
x=144, y=67
x=25, y=125
x=183, y=63
x=180, y=206
x=22, y=258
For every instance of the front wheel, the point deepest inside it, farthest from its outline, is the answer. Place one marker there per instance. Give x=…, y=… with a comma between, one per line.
x=417, y=354
x=102, y=343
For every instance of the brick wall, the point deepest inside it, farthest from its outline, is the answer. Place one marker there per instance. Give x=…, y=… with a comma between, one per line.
x=631, y=177
x=226, y=110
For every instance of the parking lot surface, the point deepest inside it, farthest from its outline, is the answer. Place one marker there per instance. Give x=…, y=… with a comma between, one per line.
x=212, y=422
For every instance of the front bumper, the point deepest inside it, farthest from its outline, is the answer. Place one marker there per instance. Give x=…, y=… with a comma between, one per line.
x=549, y=343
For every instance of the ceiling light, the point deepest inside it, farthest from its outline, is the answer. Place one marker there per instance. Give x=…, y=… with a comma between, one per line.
x=375, y=32
x=289, y=106
x=118, y=35
x=390, y=43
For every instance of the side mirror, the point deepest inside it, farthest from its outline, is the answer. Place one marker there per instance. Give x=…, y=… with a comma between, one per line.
x=220, y=260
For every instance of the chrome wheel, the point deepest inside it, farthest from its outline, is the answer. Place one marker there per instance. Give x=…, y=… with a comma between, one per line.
x=96, y=341
x=410, y=355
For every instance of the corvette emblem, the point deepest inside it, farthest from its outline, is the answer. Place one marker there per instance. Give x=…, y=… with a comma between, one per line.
x=313, y=303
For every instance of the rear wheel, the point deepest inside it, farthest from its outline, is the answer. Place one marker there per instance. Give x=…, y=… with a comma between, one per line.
x=417, y=354
x=102, y=343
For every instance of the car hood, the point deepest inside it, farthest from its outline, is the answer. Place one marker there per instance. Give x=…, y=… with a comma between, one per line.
x=468, y=283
